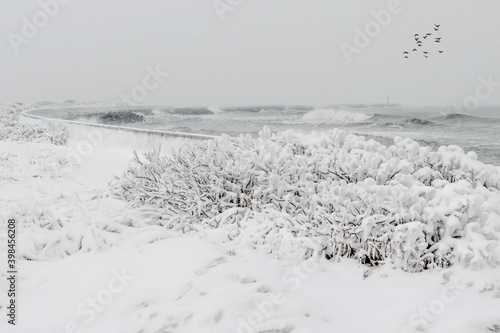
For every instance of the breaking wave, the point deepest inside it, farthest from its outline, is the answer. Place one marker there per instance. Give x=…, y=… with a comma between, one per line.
x=335, y=116
x=468, y=118
x=420, y=122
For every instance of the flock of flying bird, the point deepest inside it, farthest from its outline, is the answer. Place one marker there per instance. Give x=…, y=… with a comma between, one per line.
x=419, y=42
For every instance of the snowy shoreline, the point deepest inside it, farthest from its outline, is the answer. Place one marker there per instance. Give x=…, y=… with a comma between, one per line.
x=71, y=229
x=53, y=123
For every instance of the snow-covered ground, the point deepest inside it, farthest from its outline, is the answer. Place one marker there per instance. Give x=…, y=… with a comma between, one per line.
x=91, y=262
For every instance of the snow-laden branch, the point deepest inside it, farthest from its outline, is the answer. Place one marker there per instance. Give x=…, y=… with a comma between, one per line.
x=328, y=194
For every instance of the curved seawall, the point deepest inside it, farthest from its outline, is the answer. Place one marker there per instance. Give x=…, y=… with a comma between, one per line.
x=50, y=122
x=83, y=136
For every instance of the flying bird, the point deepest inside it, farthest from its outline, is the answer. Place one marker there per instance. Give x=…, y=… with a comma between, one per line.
x=413, y=50
x=425, y=52
x=426, y=56
x=406, y=57
x=405, y=52
x=441, y=51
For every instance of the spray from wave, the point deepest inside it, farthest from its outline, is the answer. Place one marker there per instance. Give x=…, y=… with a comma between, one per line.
x=335, y=116
x=214, y=109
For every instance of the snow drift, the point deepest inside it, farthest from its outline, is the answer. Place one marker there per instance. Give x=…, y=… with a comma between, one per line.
x=329, y=194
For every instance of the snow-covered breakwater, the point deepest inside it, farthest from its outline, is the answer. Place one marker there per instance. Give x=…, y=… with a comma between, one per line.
x=85, y=138
x=328, y=194
x=55, y=123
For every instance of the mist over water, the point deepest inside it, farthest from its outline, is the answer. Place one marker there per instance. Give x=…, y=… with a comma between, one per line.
x=473, y=130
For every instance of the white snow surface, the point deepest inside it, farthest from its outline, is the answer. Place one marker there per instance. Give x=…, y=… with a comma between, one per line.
x=328, y=194
x=79, y=245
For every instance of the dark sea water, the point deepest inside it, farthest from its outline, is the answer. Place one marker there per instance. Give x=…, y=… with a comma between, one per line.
x=472, y=129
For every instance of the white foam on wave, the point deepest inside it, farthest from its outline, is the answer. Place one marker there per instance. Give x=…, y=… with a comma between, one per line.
x=158, y=113
x=214, y=109
x=334, y=116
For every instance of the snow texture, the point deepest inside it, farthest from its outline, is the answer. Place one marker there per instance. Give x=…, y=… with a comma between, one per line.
x=11, y=129
x=328, y=194
x=213, y=280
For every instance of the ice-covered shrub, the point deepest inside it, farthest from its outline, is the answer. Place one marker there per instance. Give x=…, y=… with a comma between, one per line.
x=328, y=194
x=11, y=129
x=69, y=226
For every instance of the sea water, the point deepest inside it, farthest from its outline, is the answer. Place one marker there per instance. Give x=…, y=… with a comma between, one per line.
x=475, y=130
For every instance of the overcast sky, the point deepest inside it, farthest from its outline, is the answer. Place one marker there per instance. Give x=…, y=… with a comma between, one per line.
x=262, y=52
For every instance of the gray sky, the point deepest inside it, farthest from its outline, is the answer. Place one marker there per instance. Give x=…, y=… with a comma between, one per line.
x=263, y=52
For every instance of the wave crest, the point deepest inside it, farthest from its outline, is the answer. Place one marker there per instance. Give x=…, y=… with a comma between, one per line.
x=335, y=116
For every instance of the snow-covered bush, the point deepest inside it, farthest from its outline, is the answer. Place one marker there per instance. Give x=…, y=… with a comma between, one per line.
x=69, y=226
x=11, y=129
x=328, y=194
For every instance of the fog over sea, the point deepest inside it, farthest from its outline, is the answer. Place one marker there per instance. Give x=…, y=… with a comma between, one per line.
x=472, y=129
